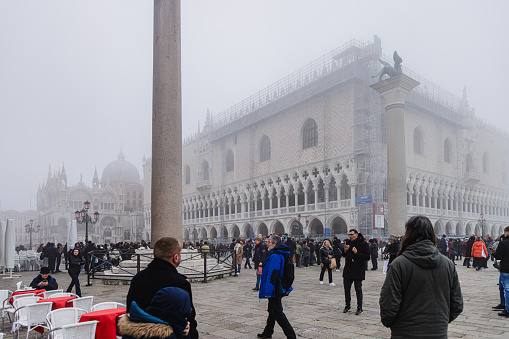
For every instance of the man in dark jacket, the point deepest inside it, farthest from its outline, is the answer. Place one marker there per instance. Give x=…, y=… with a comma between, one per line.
x=373, y=253
x=468, y=252
x=443, y=245
x=260, y=254
x=291, y=246
x=272, y=289
x=392, y=248
x=248, y=249
x=502, y=254
x=311, y=252
x=160, y=273
x=44, y=280
x=421, y=294
x=356, y=253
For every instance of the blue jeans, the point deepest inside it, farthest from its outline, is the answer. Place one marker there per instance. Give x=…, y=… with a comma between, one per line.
x=504, y=281
x=238, y=268
x=258, y=279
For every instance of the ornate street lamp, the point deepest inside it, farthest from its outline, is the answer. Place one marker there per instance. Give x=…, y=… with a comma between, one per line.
x=30, y=229
x=83, y=217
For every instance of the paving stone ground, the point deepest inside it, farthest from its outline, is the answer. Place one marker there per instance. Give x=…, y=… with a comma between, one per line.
x=228, y=308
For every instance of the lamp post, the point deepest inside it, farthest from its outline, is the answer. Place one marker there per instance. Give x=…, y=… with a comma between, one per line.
x=83, y=217
x=30, y=229
x=482, y=222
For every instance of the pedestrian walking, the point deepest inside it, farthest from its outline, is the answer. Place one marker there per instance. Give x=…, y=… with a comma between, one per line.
x=75, y=261
x=356, y=253
x=248, y=250
x=421, y=294
x=305, y=254
x=260, y=254
x=468, y=251
x=479, y=252
x=272, y=289
x=326, y=255
x=373, y=253
x=502, y=254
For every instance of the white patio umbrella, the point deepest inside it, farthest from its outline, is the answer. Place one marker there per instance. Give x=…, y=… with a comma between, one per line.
x=10, y=246
x=73, y=234
x=2, y=243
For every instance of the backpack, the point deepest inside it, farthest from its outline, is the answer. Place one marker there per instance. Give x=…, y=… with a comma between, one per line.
x=288, y=275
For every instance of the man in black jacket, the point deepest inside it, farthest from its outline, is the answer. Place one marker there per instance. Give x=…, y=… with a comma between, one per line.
x=392, y=248
x=356, y=253
x=160, y=273
x=502, y=254
x=44, y=280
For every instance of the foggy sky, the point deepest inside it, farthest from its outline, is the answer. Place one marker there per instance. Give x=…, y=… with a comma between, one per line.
x=76, y=76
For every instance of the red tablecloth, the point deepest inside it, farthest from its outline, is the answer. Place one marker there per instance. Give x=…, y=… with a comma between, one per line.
x=59, y=302
x=107, y=326
x=25, y=292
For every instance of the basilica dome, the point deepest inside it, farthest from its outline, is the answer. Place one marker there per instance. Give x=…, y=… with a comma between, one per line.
x=120, y=171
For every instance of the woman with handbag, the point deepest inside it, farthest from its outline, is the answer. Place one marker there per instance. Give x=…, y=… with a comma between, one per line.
x=327, y=261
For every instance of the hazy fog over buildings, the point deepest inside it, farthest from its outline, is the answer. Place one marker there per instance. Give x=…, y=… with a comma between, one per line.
x=76, y=80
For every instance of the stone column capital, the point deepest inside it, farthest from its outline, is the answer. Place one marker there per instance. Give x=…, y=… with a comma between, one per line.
x=395, y=90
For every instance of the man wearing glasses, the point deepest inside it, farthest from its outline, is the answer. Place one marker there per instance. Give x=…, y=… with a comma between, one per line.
x=356, y=253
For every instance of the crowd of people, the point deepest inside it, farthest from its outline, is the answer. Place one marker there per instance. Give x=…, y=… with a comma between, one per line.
x=421, y=281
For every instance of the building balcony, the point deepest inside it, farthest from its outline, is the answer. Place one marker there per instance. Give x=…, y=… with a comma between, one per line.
x=472, y=177
x=203, y=185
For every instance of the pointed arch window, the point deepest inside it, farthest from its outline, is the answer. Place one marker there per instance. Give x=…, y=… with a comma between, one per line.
x=504, y=173
x=344, y=190
x=447, y=151
x=310, y=134
x=264, y=149
x=470, y=164
x=204, y=170
x=230, y=163
x=418, y=141
x=485, y=163
x=187, y=175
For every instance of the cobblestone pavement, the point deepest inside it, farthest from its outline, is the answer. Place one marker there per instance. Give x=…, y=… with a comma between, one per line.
x=228, y=308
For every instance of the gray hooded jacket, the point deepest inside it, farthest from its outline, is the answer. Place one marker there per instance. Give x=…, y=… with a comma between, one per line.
x=421, y=294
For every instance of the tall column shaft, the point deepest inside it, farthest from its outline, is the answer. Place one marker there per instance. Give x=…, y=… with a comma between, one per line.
x=394, y=92
x=166, y=123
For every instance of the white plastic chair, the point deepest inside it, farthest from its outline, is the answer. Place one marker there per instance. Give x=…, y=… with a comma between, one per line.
x=7, y=309
x=31, y=316
x=63, y=316
x=84, y=330
x=49, y=294
x=22, y=300
x=106, y=306
x=84, y=303
x=63, y=294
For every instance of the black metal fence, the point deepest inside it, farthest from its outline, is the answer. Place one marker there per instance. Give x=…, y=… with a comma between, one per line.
x=213, y=264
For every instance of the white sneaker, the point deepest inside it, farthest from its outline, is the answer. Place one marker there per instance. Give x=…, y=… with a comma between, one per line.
x=332, y=284
x=321, y=282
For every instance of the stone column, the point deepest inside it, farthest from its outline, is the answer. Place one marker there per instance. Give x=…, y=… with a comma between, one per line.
x=394, y=92
x=166, y=123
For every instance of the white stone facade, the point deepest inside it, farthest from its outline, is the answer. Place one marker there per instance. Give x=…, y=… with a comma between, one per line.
x=326, y=131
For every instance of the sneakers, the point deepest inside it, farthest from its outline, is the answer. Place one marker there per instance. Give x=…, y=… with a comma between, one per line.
x=321, y=282
x=337, y=269
x=346, y=309
x=498, y=307
x=263, y=336
x=359, y=311
x=332, y=284
x=256, y=289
